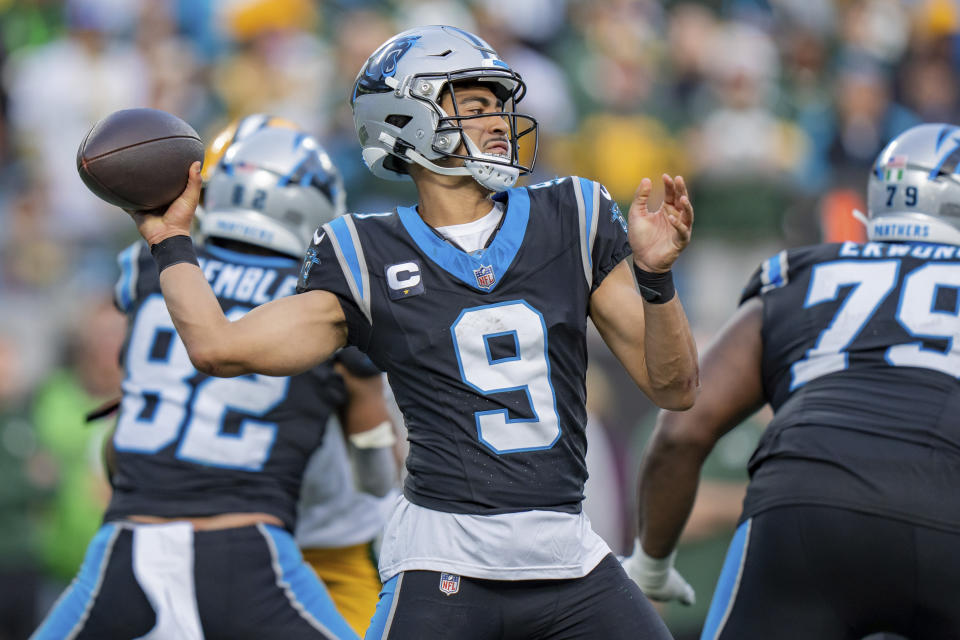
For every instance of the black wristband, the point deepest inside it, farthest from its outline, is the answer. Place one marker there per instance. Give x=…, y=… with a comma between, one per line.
x=656, y=288
x=173, y=250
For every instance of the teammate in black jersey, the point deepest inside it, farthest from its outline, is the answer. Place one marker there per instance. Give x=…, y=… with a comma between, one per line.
x=851, y=524
x=197, y=541
x=476, y=307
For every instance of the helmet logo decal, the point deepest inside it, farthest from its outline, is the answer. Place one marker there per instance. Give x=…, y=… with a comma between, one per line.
x=942, y=135
x=383, y=64
x=950, y=160
x=399, y=121
x=895, y=164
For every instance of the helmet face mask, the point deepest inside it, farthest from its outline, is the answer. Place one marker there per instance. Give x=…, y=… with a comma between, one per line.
x=272, y=189
x=398, y=117
x=913, y=193
x=451, y=134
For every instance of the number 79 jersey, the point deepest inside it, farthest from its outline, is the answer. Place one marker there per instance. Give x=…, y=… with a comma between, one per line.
x=485, y=351
x=861, y=364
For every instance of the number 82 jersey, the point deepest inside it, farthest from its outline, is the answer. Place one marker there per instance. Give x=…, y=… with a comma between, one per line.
x=485, y=351
x=188, y=444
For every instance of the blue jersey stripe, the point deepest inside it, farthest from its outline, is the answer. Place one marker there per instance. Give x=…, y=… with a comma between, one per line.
x=380, y=623
x=249, y=259
x=461, y=265
x=71, y=610
x=304, y=588
x=773, y=272
x=344, y=237
x=726, y=592
x=588, y=187
x=126, y=287
x=773, y=266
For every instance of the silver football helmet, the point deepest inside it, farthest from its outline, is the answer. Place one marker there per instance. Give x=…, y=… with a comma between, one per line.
x=397, y=114
x=914, y=189
x=237, y=130
x=272, y=189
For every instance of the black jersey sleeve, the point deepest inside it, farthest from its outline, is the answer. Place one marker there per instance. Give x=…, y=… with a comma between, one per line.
x=357, y=362
x=774, y=272
x=752, y=288
x=610, y=246
x=781, y=269
x=325, y=267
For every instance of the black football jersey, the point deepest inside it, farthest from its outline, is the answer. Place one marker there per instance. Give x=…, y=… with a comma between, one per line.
x=188, y=444
x=485, y=351
x=861, y=360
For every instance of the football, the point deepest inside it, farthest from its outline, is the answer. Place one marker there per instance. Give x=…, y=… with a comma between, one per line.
x=138, y=159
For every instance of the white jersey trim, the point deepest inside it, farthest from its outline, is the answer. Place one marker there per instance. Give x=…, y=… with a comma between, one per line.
x=163, y=566
x=584, y=235
x=527, y=545
x=101, y=573
x=359, y=290
x=285, y=587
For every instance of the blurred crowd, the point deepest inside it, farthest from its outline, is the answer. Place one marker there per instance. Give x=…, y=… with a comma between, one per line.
x=772, y=109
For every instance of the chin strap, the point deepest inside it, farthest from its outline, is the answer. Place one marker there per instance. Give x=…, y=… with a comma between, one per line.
x=861, y=217
x=418, y=158
x=415, y=156
x=491, y=175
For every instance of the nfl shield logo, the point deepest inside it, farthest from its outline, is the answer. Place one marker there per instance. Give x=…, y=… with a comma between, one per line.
x=449, y=583
x=485, y=277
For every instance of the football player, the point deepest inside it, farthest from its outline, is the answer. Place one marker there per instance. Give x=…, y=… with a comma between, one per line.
x=348, y=488
x=347, y=483
x=197, y=539
x=475, y=302
x=851, y=523
x=237, y=130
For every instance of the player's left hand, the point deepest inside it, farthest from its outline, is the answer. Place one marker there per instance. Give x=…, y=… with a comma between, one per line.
x=658, y=237
x=657, y=578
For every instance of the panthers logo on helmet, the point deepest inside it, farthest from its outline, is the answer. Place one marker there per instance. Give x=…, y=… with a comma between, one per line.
x=399, y=120
x=949, y=161
x=383, y=64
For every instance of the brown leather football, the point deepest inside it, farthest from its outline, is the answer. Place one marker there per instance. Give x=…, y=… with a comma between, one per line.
x=138, y=159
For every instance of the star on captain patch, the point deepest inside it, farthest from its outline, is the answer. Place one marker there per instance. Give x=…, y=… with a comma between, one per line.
x=485, y=276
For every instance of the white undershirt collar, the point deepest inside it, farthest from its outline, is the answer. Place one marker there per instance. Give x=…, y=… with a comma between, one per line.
x=473, y=236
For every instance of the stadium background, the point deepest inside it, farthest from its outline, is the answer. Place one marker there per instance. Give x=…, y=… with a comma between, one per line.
x=772, y=109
